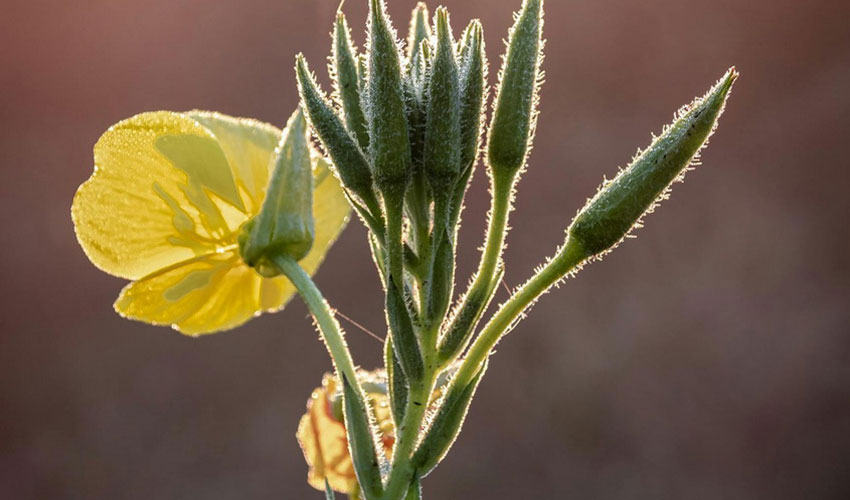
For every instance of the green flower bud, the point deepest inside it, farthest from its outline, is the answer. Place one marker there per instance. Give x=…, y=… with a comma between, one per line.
x=442, y=132
x=472, y=62
x=284, y=225
x=414, y=89
x=361, y=441
x=418, y=31
x=515, y=113
x=351, y=165
x=446, y=425
x=347, y=81
x=473, y=90
x=389, y=144
x=620, y=204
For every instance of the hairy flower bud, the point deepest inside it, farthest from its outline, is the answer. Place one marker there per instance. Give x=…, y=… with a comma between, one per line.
x=347, y=81
x=285, y=222
x=515, y=113
x=473, y=85
x=442, y=131
x=351, y=165
x=389, y=144
x=620, y=204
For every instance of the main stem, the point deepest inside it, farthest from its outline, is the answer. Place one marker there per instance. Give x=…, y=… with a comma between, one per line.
x=401, y=473
x=571, y=255
x=329, y=328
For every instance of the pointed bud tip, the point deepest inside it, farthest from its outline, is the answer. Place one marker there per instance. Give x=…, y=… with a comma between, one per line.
x=441, y=20
x=729, y=79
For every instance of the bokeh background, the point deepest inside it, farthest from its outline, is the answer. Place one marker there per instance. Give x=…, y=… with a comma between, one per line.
x=708, y=359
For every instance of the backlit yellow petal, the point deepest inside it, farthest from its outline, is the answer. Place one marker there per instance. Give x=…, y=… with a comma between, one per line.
x=162, y=192
x=218, y=291
x=208, y=293
x=248, y=145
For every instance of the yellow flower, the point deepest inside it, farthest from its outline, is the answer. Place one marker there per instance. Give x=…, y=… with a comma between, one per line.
x=321, y=432
x=164, y=207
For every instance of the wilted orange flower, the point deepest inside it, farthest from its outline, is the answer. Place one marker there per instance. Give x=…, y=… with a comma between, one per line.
x=321, y=432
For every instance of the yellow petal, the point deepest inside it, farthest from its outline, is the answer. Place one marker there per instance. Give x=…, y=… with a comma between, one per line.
x=208, y=293
x=162, y=192
x=217, y=291
x=248, y=145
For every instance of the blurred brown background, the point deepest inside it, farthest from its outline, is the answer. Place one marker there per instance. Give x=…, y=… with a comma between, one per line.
x=708, y=359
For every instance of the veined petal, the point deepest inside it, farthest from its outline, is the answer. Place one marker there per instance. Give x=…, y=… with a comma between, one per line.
x=218, y=291
x=162, y=192
x=248, y=145
x=207, y=293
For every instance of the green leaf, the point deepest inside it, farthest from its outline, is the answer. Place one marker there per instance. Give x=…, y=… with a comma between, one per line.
x=361, y=441
x=350, y=163
x=329, y=493
x=415, y=490
x=446, y=425
x=442, y=281
x=515, y=113
x=620, y=204
x=389, y=144
x=347, y=81
x=398, y=389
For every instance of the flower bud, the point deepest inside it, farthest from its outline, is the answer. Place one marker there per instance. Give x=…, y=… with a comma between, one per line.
x=442, y=131
x=285, y=222
x=347, y=81
x=389, y=144
x=418, y=31
x=351, y=165
x=515, y=113
x=473, y=85
x=620, y=204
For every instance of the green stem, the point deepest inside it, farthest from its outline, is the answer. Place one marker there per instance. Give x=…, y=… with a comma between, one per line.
x=329, y=328
x=394, y=208
x=475, y=299
x=401, y=471
x=571, y=255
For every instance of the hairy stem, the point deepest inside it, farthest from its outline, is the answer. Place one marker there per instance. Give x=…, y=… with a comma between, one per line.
x=407, y=435
x=570, y=256
x=475, y=301
x=329, y=328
